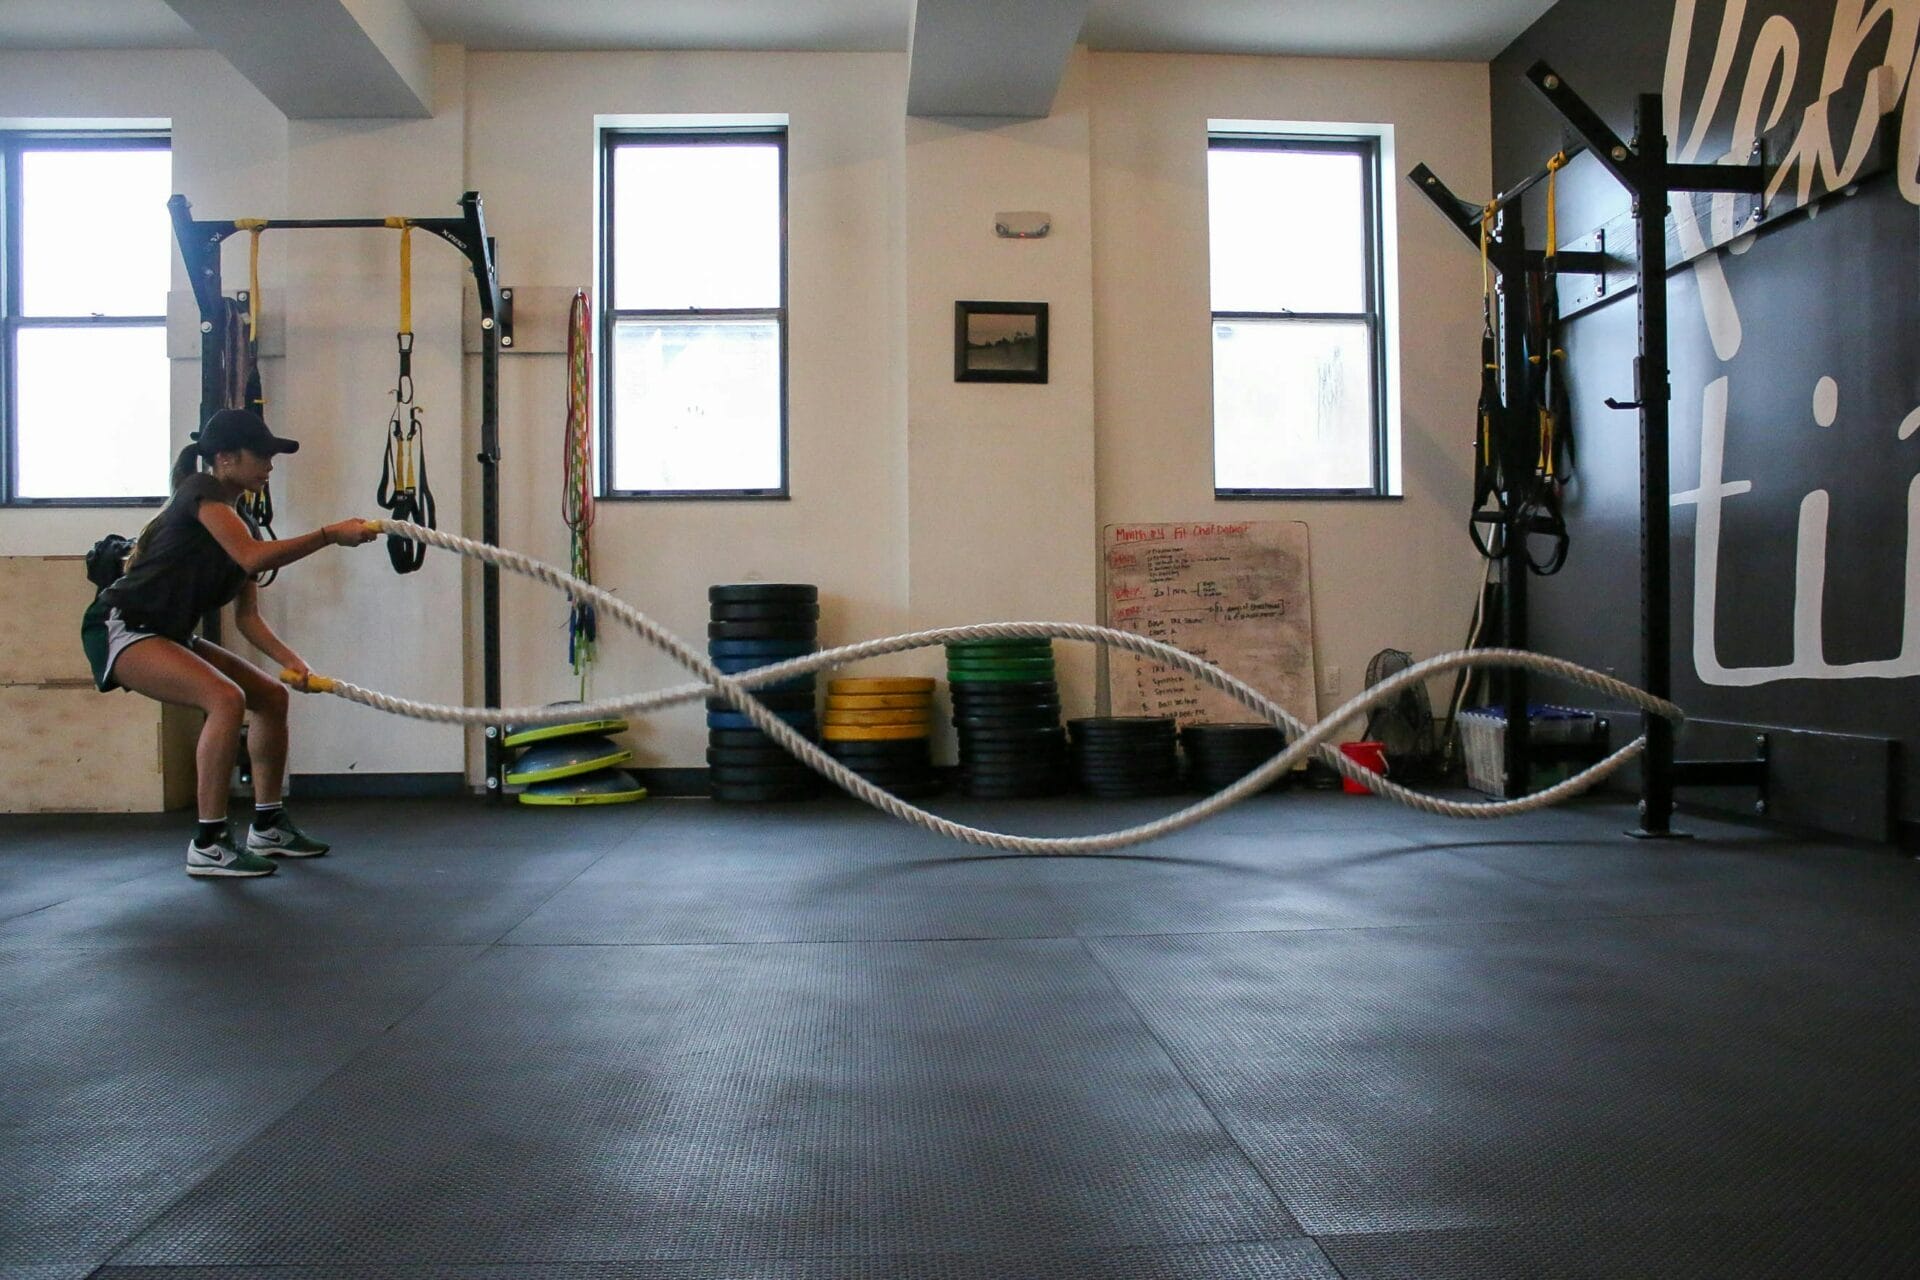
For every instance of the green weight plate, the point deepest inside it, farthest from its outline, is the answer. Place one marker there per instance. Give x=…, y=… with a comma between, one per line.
x=990, y=677
x=1001, y=649
x=1038, y=665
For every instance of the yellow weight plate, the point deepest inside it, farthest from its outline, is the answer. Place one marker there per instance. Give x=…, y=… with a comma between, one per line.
x=909, y=716
x=872, y=732
x=876, y=701
x=881, y=684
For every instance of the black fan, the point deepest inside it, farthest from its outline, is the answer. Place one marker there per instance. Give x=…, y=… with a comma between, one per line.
x=1405, y=722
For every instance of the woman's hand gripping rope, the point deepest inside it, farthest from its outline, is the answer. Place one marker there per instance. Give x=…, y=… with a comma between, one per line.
x=736, y=690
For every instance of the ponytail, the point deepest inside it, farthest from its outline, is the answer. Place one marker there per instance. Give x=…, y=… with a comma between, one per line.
x=184, y=466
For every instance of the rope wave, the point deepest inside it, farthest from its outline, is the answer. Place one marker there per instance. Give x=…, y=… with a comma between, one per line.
x=1304, y=739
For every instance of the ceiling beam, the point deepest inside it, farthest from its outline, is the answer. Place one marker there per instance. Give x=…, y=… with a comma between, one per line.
x=323, y=59
x=990, y=57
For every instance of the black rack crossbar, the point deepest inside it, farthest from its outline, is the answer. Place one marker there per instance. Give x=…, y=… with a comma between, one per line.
x=1465, y=215
x=1532, y=180
x=200, y=241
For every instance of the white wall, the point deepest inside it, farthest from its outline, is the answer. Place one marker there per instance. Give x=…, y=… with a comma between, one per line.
x=1000, y=475
x=916, y=501
x=531, y=153
x=1395, y=573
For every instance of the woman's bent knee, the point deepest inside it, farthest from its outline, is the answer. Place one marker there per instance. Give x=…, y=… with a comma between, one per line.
x=225, y=700
x=268, y=700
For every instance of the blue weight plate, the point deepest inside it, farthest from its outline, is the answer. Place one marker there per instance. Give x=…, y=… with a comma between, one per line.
x=805, y=721
x=758, y=648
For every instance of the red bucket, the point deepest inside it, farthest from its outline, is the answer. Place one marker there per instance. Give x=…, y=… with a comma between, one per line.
x=1371, y=756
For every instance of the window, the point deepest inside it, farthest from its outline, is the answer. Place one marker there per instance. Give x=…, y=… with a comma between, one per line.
x=694, y=313
x=1299, y=349
x=83, y=353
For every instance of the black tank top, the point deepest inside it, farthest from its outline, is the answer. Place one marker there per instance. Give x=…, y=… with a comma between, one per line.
x=180, y=571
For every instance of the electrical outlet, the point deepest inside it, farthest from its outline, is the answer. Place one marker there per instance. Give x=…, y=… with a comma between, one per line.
x=1332, y=682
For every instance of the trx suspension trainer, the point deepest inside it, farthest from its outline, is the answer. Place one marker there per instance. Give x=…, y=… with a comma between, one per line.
x=1518, y=484
x=404, y=492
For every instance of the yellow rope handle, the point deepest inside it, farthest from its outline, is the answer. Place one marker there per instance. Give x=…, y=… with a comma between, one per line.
x=406, y=272
x=306, y=681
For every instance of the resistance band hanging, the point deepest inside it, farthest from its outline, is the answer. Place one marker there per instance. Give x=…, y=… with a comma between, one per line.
x=240, y=370
x=576, y=498
x=404, y=493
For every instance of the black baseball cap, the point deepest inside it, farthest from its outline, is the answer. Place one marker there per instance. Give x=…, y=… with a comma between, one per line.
x=231, y=429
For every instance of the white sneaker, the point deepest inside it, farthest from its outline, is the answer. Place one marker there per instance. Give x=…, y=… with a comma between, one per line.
x=222, y=859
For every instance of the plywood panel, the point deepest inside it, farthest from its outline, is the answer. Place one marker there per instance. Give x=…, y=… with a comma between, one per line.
x=73, y=750
x=40, y=625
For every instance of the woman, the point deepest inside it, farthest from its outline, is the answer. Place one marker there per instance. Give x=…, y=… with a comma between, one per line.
x=198, y=554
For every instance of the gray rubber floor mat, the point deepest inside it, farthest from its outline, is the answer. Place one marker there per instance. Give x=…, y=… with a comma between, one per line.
x=1248, y=1260
x=1481, y=1075
x=1861, y=1240
x=636, y=1102
x=131, y=1074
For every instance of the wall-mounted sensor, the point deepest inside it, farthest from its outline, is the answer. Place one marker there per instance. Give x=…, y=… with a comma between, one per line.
x=1028, y=225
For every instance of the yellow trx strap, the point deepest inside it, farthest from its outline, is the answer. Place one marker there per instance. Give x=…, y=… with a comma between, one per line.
x=406, y=272
x=253, y=227
x=1547, y=420
x=1487, y=215
x=1554, y=166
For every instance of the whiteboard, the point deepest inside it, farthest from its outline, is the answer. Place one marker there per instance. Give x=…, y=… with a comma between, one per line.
x=1235, y=594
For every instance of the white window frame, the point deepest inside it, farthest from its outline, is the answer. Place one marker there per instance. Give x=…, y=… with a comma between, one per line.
x=617, y=132
x=14, y=142
x=1374, y=144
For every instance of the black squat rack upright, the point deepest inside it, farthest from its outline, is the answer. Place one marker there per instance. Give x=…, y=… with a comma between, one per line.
x=1650, y=179
x=200, y=242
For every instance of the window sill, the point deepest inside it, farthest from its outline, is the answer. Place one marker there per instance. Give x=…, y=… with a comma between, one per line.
x=1304, y=495
x=64, y=504
x=698, y=495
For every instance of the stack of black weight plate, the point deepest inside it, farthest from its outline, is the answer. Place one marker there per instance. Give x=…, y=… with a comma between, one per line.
x=1219, y=755
x=1006, y=706
x=1125, y=757
x=756, y=624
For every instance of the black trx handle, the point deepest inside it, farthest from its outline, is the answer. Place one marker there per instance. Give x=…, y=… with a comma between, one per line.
x=404, y=493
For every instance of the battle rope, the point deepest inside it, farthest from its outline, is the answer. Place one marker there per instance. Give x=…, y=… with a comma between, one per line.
x=576, y=496
x=404, y=492
x=735, y=690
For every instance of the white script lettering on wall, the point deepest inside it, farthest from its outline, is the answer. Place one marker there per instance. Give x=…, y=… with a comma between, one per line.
x=1815, y=162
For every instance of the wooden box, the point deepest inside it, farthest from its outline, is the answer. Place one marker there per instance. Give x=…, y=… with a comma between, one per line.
x=69, y=748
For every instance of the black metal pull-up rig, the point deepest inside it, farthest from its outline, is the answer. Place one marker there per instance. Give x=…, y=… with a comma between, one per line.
x=1650, y=179
x=200, y=242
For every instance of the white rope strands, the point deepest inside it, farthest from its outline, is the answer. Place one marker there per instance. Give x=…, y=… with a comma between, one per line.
x=1303, y=741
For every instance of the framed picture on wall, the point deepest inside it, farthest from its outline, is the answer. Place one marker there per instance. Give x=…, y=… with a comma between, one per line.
x=999, y=342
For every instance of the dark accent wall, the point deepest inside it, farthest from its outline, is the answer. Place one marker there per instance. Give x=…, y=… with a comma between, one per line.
x=1828, y=301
